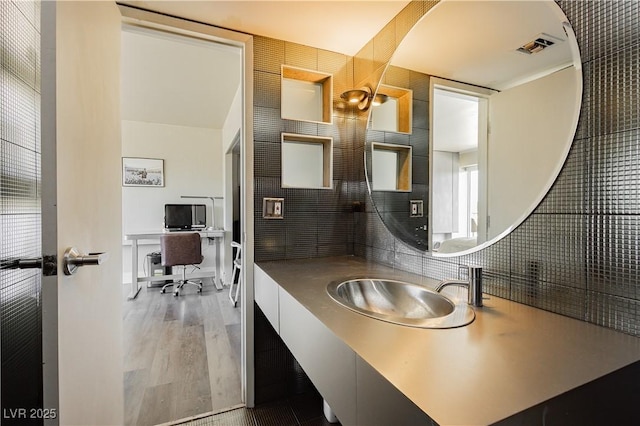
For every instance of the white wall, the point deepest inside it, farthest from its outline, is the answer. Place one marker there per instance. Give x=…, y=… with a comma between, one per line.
x=446, y=169
x=232, y=125
x=193, y=165
x=529, y=136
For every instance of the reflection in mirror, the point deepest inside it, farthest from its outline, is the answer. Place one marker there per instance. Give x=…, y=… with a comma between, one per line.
x=492, y=125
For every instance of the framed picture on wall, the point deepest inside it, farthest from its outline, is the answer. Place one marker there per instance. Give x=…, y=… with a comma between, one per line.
x=142, y=172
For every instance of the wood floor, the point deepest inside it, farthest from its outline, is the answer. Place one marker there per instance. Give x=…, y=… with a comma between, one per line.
x=181, y=354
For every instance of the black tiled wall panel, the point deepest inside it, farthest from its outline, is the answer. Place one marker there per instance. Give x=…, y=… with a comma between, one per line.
x=317, y=222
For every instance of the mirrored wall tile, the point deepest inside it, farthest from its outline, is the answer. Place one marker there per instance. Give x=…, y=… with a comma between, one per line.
x=585, y=118
x=363, y=65
x=384, y=44
x=379, y=255
x=408, y=262
x=613, y=255
x=615, y=177
x=556, y=244
x=268, y=54
x=397, y=77
x=440, y=268
x=615, y=104
x=419, y=141
x=266, y=89
x=300, y=56
x=20, y=43
x=569, y=192
x=564, y=300
x=334, y=228
x=496, y=285
x=603, y=27
x=396, y=138
x=419, y=170
x=420, y=117
x=615, y=312
x=301, y=127
x=341, y=131
x=268, y=126
x=340, y=163
x=495, y=260
x=269, y=187
x=338, y=65
x=337, y=200
x=419, y=84
x=377, y=235
x=18, y=111
x=301, y=200
x=267, y=159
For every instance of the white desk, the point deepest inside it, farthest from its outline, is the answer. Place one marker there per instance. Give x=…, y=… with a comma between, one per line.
x=216, y=234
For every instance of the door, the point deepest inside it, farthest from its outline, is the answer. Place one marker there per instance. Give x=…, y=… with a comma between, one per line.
x=82, y=320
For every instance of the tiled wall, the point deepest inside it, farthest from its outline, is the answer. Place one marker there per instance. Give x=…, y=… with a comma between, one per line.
x=317, y=222
x=20, y=219
x=578, y=254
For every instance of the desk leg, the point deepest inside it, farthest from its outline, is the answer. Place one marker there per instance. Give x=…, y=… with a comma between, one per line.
x=135, y=287
x=217, y=281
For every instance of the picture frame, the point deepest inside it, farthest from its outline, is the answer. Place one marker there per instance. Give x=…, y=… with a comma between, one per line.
x=147, y=172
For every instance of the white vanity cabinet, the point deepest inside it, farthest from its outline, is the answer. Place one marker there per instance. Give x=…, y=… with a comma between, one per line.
x=266, y=296
x=356, y=393
x=329, y=363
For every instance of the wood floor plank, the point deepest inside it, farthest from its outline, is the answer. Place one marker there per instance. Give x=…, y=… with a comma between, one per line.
x=158, y=405
x=171, y=346
x=135, y=383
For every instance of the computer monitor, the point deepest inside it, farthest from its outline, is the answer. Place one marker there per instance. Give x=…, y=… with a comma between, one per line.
x=177, y=216
x=185, y=216
x=199, y=216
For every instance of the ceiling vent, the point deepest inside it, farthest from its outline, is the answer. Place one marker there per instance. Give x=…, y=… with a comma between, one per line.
x=538, y=45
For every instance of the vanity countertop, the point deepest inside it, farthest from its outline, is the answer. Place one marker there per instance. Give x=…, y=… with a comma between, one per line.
x=510, y=358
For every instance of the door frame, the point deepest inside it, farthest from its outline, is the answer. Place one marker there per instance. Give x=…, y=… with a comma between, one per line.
x=156, y=21
x=483, y=95
x=48, y=131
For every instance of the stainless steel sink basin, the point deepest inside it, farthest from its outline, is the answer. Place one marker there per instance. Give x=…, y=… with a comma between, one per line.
x=401, y=302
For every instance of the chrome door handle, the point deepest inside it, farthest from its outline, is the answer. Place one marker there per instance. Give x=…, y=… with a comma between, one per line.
x=73, y=260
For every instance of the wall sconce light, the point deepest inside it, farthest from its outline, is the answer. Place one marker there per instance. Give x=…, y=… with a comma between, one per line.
x=359, y=97
x=379, y=99
x=363, y=98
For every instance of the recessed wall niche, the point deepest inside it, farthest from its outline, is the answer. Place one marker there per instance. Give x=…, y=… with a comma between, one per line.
x=306, y=95
x=394, y=115
x=391, y=167
x=307, y=161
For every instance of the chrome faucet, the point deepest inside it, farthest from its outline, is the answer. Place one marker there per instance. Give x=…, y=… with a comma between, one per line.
x=474, y=284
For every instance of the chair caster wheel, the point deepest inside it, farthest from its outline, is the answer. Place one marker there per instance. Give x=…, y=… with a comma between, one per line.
x=176, y=294
x=162, y=291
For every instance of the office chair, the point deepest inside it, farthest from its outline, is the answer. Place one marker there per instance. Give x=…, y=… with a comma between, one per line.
x=181, y=250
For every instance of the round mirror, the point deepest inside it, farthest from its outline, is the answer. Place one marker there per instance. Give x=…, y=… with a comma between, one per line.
x=477, y=112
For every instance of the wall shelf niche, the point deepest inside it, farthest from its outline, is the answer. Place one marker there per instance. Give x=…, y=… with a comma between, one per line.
x=307, y=161
x=306, y=95
x=395, y=114
x=391, y=168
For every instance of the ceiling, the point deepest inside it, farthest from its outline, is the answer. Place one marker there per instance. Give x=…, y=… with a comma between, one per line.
x=335, y=25
x=470, y=41
x=176, y=80
x=475, y=42
x=160, y=83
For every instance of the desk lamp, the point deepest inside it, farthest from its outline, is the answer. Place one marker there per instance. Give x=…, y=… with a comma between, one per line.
x=213, y=206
